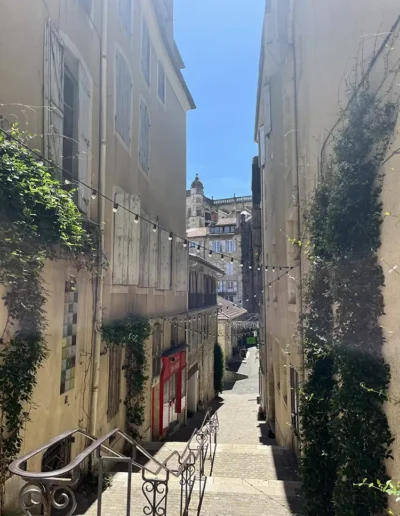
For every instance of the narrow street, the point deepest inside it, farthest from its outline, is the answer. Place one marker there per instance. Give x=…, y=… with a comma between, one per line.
x=250, y=475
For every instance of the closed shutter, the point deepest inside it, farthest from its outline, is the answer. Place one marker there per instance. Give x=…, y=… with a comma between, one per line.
x=53, y=94
x=144, y=259
x=181, y=257
x=154, y=251
x=164, y=281
x=133, y=240
x=126, y=240
x=85, y=99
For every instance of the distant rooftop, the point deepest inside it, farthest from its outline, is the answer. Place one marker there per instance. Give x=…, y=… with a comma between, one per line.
x=229, y=310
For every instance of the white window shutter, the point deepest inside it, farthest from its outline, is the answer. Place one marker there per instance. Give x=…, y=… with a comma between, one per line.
x=181, y=263
x=261, y=145
x=267, y=109
x=144, y=259
x=164, y=282
x=53, y=94
x=154, y=251
x=84, y=149
x=133, y=235
x=120, y=241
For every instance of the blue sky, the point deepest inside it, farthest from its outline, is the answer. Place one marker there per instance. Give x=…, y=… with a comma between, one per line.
x=220, y=44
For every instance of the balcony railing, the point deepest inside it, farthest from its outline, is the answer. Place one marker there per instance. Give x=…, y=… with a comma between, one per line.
x=201, y=300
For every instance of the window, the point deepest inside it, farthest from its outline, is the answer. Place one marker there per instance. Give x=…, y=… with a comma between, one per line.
x=294, y=398
x=70, y=324
x=161, y=82
x=146, y=52
x=221, y=286
x=230, y=246
x=198, y=212
x=86, y=5
x=144, y=146
x=69, y=161
x=156, y=349
x=229, y=269
x=215, y=229
x=114, y=381
x=216, y=246
x=125, y=15
x=231, y=286
x=123, y=98
x=68, y=93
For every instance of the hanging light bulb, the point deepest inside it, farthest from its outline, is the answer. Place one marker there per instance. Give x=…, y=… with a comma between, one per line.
x=198, y=248
x=154, y=228
x=115, y=208
x=170, y=237
x=266, y=268
x=241, y=263
x=222, y=257
x=280, y=268
x=185, y=243
x=270, y=285
x=94, y=194
x=210, y=253
x=250, y=266
x=273, y=269
x=231, y=260
x=258, y=267
x=136, y=219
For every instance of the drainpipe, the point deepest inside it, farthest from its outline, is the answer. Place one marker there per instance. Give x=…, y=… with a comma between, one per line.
x=101, y=212
x=297, y=185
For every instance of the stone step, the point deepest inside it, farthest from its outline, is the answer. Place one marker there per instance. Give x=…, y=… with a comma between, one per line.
x=221, y=496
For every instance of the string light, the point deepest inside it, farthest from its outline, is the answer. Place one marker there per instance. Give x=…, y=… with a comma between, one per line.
x=258, y=267
x=95, y=193
x=250, y=266
x=198, y=249
x=222, y=257
x=170, y=237
x=273, y=268
x=210, y=253
x=185, y=243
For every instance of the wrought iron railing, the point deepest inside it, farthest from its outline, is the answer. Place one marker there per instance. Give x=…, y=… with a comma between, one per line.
x=55, y=489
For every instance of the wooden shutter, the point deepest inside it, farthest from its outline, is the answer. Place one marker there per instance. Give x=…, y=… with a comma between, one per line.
x=126, y=240
x=133, y=240
x=154, y=251
x=164, y=281
x=120, y=264
x=144, y=259
x=53, y=94
x=181, y=266
x=85, y=99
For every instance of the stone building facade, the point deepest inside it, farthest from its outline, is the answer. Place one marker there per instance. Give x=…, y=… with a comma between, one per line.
x=298, y=110
x=217, y=230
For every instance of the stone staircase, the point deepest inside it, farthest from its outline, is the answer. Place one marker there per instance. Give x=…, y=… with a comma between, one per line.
x=243, y=480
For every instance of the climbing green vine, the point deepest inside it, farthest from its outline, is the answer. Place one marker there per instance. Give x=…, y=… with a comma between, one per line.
x=132, y=333
x=345, y=433
x=38, y=221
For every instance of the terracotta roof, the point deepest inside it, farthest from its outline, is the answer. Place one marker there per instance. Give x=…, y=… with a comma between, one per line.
x=196, y=232
x=228, y=221
x=229, y=310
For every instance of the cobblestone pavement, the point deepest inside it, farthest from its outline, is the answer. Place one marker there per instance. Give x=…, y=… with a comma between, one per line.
x=250, y=476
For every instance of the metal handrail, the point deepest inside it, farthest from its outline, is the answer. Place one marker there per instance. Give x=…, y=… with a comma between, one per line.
x=97, y=444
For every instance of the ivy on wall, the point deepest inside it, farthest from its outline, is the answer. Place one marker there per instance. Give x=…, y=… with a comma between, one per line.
x=132, y=333
x=345, y=433
x=38, y=221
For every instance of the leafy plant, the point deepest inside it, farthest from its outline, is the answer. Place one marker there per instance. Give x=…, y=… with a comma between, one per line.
x=38, y=221
x=219, y=368
x=132, y=333
x=345, y=432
